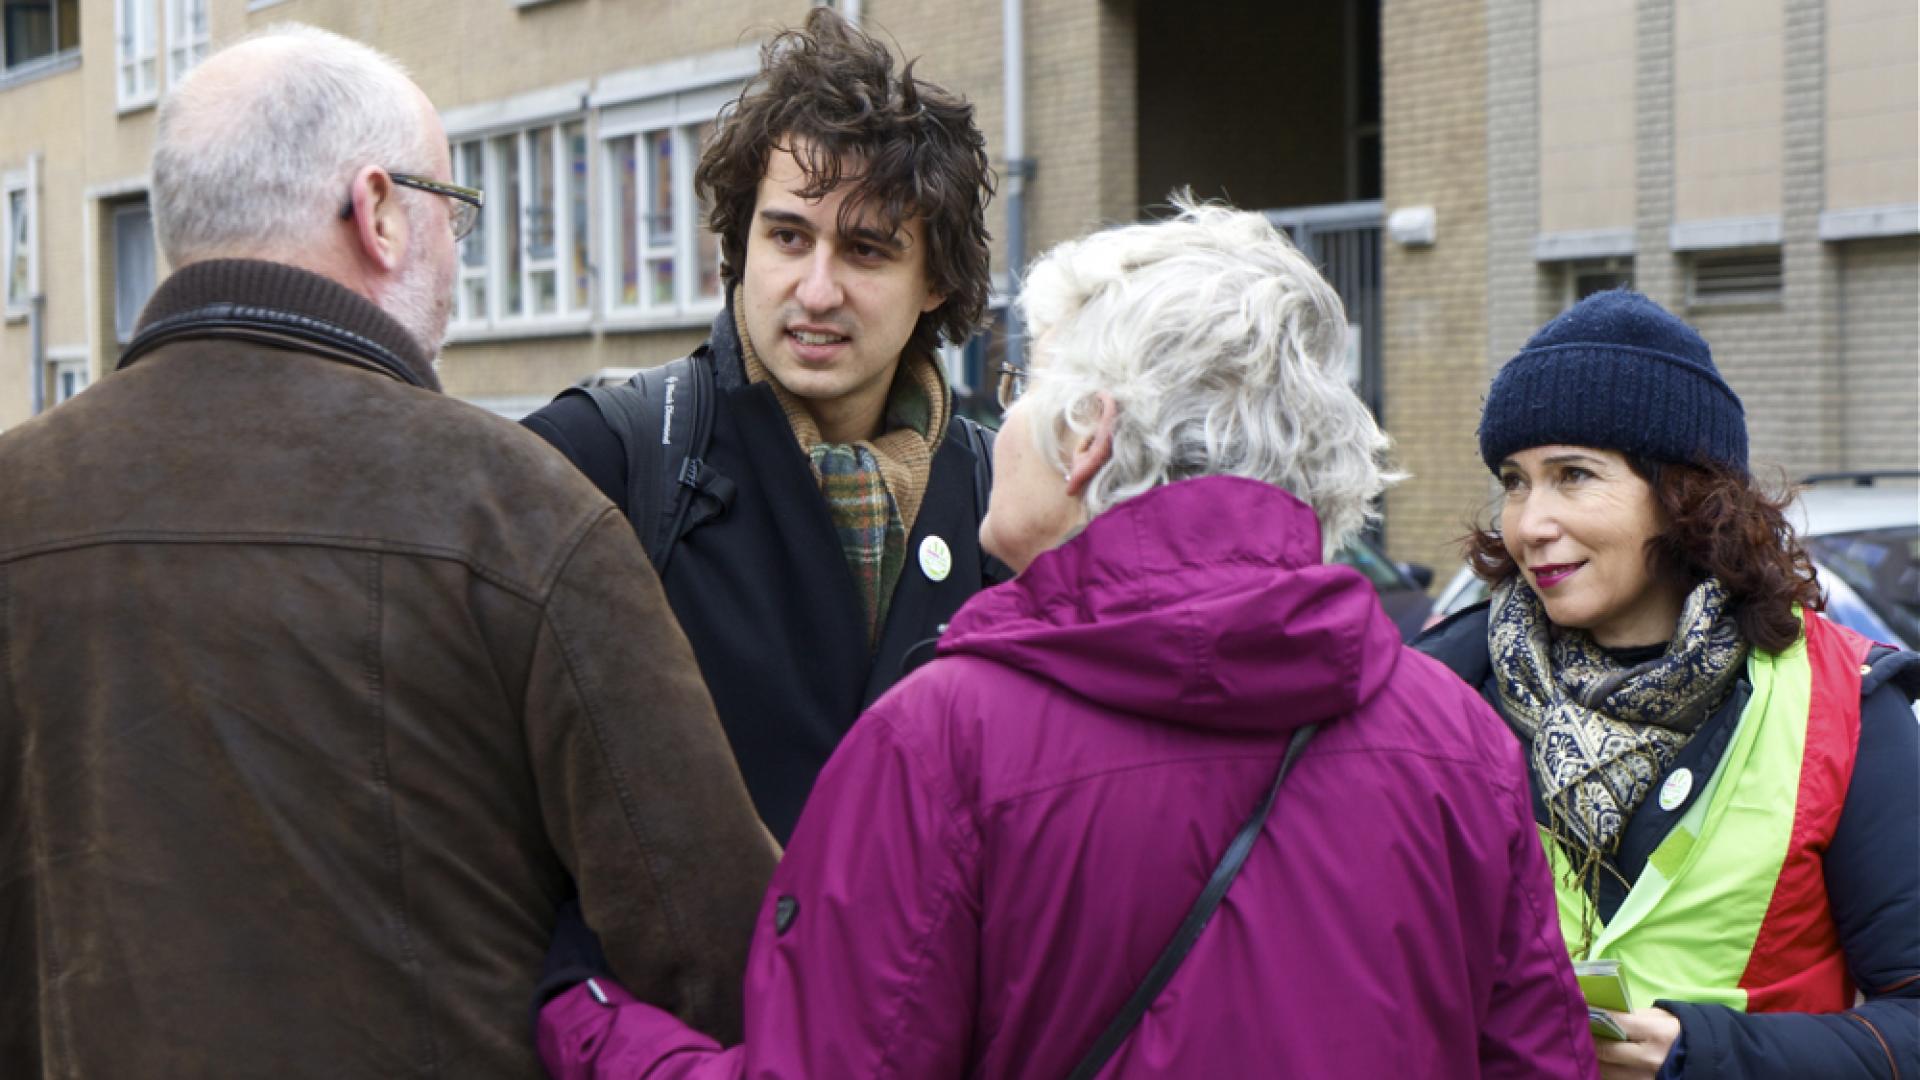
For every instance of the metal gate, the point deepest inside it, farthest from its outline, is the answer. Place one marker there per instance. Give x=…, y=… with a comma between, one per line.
x=1343, y=240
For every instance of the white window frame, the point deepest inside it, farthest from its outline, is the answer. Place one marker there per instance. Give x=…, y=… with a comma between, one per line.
x=480, y=240
x=566, y=316
x=114, y=213
x=136, y=51
x=678, y=97
x=40, y=64
x=683, y=244
x=21, y=181
x=58, y=368
x=185, y=49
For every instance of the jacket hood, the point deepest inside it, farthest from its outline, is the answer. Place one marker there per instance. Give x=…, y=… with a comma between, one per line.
x=1202, y=603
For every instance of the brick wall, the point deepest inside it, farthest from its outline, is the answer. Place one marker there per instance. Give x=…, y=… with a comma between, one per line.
x=1434, y=355
x=1879, y=334
x=1520, y=292
x=1080, y=117
x=1782, y=359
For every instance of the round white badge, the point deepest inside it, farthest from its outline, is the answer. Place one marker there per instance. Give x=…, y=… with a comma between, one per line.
x=936, y=559
x=1674, y=791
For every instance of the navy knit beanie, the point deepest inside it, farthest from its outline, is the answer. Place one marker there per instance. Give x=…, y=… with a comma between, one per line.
x=1616, y=371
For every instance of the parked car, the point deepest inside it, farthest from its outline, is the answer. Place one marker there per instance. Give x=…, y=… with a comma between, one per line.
x=1862, y=530
x=1402, y=586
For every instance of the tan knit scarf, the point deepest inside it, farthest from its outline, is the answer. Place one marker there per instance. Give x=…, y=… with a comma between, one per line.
x=873, y=487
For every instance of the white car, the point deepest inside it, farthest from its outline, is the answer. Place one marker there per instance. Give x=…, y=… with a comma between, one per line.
x=1862, y=530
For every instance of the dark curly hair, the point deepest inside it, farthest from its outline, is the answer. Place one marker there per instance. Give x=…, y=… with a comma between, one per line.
x=1720, y=523
x=827, y=94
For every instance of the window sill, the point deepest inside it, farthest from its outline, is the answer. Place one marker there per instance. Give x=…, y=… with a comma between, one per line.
x=44, y=67
x=128, y=108
x=632, y=323
x=1870, y=223
x=16, y=315
x=571, y=326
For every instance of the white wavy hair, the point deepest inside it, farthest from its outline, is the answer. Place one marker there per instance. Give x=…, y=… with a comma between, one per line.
x=1224, y=350
x=261, y=166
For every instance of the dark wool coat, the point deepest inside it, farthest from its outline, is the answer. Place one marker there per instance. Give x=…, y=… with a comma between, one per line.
x=764, y=592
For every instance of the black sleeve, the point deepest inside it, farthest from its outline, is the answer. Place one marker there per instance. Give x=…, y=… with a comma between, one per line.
x=1460, y=642
x=1873, y=884
x=1873, y=866
x=573, y=424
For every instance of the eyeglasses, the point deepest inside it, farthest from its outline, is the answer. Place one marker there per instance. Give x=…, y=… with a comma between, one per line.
x=1013, y=383
x=466, y=201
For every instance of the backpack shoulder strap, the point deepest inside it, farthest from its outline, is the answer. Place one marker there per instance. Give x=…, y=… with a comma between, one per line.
x=980, y=440
x=663, y=417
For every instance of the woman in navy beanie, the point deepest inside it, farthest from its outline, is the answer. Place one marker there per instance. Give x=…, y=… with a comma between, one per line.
x=1723, y=779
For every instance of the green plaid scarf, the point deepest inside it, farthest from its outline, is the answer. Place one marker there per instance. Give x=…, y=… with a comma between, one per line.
x=873, y=487
x=1602, y=734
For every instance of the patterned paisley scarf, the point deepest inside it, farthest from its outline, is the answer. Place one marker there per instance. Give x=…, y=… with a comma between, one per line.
x=1602, y=734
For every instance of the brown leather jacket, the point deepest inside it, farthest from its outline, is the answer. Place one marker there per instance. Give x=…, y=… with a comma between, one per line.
x=316, y=686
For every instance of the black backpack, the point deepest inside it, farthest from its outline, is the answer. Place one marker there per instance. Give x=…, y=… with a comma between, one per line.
x=663, y=417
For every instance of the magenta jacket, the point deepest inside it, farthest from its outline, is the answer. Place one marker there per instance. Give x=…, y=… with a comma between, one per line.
x=1006, y=840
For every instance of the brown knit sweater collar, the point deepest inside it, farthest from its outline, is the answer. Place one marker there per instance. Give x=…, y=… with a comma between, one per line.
x=289, y=289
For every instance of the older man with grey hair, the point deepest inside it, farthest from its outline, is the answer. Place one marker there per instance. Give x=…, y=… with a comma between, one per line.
x=320, y=691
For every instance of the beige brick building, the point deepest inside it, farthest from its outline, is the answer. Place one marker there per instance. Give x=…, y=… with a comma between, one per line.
x=1751, y=163
x=581, y=118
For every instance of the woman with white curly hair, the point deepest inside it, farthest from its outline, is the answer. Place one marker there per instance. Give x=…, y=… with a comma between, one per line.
x=1093, y=834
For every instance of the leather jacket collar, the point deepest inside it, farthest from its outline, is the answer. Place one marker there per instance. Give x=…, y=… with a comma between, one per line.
x=282, y=306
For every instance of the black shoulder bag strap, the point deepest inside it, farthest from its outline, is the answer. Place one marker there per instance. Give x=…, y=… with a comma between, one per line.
x=1196, y=921
x=663, y=416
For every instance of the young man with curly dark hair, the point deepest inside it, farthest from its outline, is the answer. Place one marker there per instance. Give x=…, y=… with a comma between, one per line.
x=850, y=203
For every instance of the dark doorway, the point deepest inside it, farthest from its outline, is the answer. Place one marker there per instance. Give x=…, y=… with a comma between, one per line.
x=1266, y=105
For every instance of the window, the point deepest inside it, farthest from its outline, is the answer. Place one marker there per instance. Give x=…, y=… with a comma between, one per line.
x=134, y=53
x=666, y=260
x=35, y=31
x=1586, y=277
x=133, y=266
x=188, y=36
x=1734, y=277
x=17, y=215
x=527, y=260
x=69, y=377
x=973, y=367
